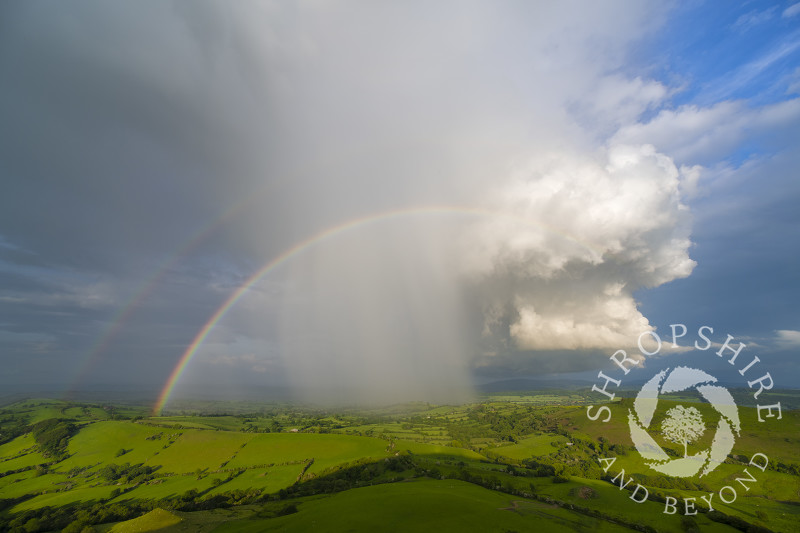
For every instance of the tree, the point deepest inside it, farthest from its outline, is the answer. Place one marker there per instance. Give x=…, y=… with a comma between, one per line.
x=683, y=425
x=32, y=525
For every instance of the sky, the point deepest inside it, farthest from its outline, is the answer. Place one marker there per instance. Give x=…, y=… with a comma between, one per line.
x=383, y=201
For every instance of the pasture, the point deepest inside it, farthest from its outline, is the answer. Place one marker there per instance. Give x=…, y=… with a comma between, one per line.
x=423, y=505
x=471, y=459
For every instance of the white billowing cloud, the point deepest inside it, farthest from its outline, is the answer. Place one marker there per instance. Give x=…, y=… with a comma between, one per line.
x=394, y=110
x=579, y=235
x=317, y=113
x=617, y=100
x=690, y=179
x=313, y=114
x=609, y=321
x=693, y=135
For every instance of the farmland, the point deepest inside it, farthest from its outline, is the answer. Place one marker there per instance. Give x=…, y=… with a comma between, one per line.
x=503, y=463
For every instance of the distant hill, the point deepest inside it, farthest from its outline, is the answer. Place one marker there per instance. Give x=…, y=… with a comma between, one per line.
x=529, y=384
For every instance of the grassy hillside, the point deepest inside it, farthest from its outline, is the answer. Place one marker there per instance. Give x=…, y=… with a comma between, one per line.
x=424, y=505
x=494, y=465
x=155, y=520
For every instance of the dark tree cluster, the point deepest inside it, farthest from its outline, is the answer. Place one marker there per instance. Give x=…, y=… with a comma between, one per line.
x=127, y=473
x=52, y=436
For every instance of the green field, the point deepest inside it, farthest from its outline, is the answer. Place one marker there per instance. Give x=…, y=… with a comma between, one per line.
x=57, y=499
x=534, y=446
x=100, y=442
x=226, y=423
x=327, y=450
x=167, y=487
x=425, y=505
x=152, y=521
x=507, y=463
x=268, y=480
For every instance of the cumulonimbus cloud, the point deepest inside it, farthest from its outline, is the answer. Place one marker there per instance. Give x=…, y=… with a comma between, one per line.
x=315, y=114
x=586, y=232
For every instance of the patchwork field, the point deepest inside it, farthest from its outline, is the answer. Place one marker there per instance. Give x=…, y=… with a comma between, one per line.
x=504, y=464
x=534, y=446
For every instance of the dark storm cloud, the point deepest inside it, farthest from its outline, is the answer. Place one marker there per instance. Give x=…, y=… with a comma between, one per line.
x=121, y=141
x=123, y=131
x=160, y=153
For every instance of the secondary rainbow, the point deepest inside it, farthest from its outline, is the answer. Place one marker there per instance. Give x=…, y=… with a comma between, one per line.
x=146, y=288
x=187, y=356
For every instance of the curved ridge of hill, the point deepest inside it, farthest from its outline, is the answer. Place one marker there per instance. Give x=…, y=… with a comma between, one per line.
x=152, y=521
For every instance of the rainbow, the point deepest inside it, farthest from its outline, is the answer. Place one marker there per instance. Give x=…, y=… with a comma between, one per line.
x=141, y=293
x=299, y=247
x=149, y=284
x=144, y=289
